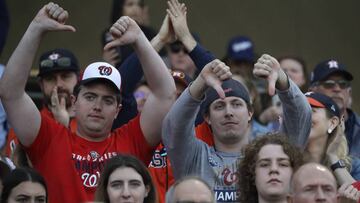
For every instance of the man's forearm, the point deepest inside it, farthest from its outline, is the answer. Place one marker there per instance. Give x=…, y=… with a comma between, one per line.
x=161, y=82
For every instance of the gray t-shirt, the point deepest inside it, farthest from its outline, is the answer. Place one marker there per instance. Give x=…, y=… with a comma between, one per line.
x=190, y=156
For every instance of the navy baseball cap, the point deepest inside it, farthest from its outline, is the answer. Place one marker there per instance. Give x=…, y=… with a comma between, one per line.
x=322, y=101
x=231, y=87
x=58, y=60
x=241, y=48
x=328, y=67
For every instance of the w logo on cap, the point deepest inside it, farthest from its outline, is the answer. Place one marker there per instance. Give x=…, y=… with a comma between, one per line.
x=105, y=70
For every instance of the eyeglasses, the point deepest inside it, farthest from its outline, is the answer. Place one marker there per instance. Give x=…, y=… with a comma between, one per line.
x=61, y=62
x=176, y=48
x=329, y=84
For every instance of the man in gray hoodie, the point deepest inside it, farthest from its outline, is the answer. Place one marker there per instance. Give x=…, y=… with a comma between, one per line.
x=228, y=111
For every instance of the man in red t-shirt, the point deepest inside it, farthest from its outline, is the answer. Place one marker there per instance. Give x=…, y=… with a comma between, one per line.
x=71, y=163
x=58, y=74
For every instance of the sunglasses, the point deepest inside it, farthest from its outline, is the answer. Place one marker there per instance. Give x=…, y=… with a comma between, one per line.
x=176, y=48
x=61, y=62
x=329, y=84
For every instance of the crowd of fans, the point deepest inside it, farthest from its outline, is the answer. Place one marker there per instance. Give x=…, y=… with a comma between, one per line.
x=161, y=119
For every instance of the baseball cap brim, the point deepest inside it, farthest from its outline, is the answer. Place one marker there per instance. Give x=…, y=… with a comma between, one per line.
x=315, y=103
x=90, y=80
x=347, y=75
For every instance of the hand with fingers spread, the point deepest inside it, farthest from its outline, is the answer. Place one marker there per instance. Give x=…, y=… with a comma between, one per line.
x=178, y=16
x=348, y=193
x=124, y=31
x=211, y=75
x=58, y=108
x=52, y=17
x=268, y=67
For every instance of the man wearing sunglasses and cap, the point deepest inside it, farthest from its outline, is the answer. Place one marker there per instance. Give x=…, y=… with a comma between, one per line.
x=71, y=163
x=332, y=79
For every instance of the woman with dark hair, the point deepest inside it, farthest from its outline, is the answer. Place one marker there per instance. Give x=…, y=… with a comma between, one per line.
x=266, y=169
x=125, y=178
x=24, y=185
x=135, y=9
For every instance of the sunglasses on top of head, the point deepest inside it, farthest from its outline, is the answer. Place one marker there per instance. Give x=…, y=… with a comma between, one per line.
x=61, y=62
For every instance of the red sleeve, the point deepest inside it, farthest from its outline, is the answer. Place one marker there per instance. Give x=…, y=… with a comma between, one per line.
x=131, y=138
x=203, y=132
x=49, y=130
x=356, y=185
x=11, y=143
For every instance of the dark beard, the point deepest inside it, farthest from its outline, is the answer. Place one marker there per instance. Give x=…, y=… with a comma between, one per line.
x=62, y=93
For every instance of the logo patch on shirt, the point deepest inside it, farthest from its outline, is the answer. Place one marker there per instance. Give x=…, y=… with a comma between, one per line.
x=94, y=154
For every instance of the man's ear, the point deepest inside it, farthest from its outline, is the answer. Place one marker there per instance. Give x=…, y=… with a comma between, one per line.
x=72, y=99
x=207, y=118
x=251, y=113
x=118, y=109
x=41, y=85
x=147, y=190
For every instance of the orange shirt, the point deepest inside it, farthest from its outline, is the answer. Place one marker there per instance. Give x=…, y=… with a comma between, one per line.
x=160, y=167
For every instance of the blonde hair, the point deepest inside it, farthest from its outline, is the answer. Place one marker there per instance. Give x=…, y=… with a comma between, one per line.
x=342, y=151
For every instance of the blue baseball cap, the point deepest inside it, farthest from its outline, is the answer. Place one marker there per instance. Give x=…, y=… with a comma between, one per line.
x=241, y=48
x=328, y=67
x=322, y=101
x=231, y=87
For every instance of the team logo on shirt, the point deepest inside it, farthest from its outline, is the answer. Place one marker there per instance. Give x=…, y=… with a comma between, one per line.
x=94, y=154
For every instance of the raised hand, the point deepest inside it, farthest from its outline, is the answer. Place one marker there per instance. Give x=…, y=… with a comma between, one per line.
x=52, y=17
x=166, y=33
x=268, y=67
x=58, y=108
x=177, y=13
x=348, y=193
x=214, y=73
x=124, y=31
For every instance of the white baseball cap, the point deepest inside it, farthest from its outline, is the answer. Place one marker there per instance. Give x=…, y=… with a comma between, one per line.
x=102, y=70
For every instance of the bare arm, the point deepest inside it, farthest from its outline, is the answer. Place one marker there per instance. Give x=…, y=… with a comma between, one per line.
x=22, y=112
x=178, y=15
x=126, y=31
x=342, y=174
